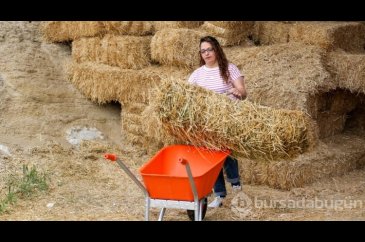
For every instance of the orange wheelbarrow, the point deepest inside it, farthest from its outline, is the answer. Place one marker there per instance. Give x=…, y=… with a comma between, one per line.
x=179, y=177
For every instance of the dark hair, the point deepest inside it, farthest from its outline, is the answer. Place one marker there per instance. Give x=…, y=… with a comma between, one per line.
x=221, y=57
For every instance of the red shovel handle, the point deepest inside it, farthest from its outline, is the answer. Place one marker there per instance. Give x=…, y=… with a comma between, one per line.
x=112, y=157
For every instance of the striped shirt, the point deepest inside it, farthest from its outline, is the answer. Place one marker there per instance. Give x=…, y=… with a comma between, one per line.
x=210, y=78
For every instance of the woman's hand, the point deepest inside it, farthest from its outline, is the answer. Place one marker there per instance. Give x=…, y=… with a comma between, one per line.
x=237, y=93
x=238, y=89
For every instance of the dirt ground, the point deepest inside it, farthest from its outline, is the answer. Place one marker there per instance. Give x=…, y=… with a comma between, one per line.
x=39, y=107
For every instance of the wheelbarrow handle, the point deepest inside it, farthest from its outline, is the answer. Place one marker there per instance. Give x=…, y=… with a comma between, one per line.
x=183, y=161
x=112, y=157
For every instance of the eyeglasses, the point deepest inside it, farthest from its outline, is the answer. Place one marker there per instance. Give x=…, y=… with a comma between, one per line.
x=202, y=51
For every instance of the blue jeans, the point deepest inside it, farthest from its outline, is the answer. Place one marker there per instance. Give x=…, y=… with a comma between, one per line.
x=231, y=168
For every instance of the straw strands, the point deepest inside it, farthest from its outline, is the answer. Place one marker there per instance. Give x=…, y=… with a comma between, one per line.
x=103, y=83
x=176, y=47
x=204, y=118
x=283, y=75
x=333, y=157
x=228, y=33
x=349, y=36
x=231, y=25
x=271, y=32
x=332, y=111
x=134, y=125
x=127, y=52
x=60, y=31
x=138, y=28
x=348, y=70
x=159, y=25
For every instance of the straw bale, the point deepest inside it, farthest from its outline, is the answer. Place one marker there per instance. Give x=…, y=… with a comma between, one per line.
x=204, y=118
x=348, y=70
x=103, y=83
x=232, y=41
x=132, y=138
x=271, y=32
x=134, y=108
x=228, y=36
x=133, y=128
x=349, y=36
x=283, y=75
x=132, y=118
x=61, y=31
x=168, y=72
x=333, y=157
x=176, y=47
x=138, y=28
x=159, y=25
x=127, y=52
x=236, y=28
x=86, y=49
x=238, y=25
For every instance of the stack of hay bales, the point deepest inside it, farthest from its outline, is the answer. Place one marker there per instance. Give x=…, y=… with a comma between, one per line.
x=111, y=60
x=283, y=75
x=348, y=69
x=228, y=33
x=334, y=157
x=301, y=76
x=296, y=76
x=323, y=77
x=298, y=70
x=349, y=36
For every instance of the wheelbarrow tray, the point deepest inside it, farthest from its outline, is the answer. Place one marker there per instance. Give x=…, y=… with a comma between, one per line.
x=165, y=177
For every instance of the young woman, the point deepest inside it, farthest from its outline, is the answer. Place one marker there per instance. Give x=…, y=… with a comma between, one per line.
x=217, y=74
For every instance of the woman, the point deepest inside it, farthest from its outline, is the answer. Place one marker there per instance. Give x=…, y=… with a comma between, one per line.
x=217, y=74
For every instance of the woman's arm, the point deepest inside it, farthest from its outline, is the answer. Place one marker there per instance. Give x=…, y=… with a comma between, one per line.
x=239, y=89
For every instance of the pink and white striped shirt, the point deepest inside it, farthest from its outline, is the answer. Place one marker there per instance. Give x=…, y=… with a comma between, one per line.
x=211, y=79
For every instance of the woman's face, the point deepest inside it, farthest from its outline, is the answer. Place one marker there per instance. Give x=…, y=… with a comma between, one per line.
x=208, y=54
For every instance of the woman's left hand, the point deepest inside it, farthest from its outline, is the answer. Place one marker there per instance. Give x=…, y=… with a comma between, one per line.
x=235, y=92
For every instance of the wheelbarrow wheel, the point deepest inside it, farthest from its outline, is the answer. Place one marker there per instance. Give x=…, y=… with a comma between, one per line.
x=191, y=213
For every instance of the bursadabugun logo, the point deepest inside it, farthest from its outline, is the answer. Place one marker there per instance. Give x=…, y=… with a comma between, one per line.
x=241, y=205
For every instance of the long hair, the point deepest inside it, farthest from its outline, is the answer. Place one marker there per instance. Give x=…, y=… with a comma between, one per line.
x=220, y=55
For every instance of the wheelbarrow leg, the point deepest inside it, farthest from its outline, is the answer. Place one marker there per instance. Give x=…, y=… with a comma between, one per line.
x=162, y=213
x=201, y=210
x=193, y=188
x=197, y=211
x=147, y=212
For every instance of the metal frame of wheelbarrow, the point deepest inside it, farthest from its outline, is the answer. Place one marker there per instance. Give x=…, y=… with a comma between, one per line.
x=196, y=205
